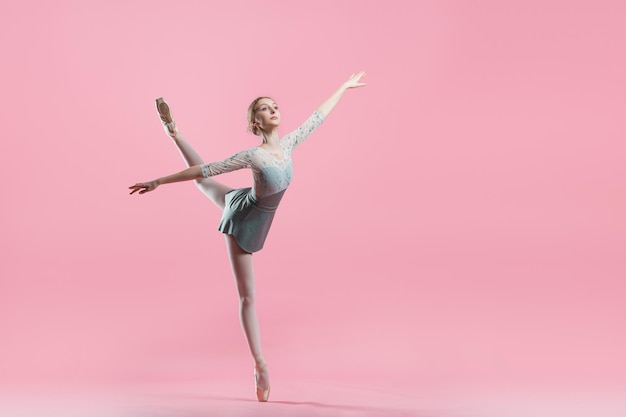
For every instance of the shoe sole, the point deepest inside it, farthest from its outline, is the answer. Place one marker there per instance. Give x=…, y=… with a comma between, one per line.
x=164, y=110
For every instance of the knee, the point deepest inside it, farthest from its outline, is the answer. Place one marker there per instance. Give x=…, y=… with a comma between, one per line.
x=246, y=300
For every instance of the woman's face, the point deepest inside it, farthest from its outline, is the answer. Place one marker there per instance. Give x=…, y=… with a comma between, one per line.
x=267, y=115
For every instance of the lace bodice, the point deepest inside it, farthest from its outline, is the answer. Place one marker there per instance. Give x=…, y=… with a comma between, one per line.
x=271, y=175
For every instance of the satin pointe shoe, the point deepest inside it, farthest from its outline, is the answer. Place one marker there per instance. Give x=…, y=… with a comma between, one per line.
x=262, y=395
x=163, y=109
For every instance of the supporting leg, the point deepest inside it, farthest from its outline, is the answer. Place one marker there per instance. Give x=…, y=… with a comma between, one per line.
x=242, y=266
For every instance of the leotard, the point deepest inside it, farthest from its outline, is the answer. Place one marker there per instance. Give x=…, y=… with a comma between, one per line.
x=248, y=212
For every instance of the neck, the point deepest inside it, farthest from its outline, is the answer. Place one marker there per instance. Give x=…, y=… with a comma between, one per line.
x=271, y=137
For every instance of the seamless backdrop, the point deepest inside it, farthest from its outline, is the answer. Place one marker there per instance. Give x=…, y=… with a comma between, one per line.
x=460, y=217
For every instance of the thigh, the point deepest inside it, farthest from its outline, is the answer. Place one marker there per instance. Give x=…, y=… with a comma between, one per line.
x=214, y=190
x=242, y=266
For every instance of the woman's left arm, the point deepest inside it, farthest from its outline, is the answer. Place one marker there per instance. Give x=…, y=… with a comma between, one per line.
x=326, y=107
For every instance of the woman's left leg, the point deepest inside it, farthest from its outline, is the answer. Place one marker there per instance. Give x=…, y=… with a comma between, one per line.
x=242, y=266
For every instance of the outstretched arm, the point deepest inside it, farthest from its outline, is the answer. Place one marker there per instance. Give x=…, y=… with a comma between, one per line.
x=326, y=107
x=191, y=173
x=197, y=172
x=295, y=138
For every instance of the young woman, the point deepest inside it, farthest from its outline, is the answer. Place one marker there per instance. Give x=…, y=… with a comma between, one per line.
x=247, y=213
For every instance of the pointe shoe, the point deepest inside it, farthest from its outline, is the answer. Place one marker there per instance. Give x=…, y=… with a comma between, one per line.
x=163, y=109
x=262, y=395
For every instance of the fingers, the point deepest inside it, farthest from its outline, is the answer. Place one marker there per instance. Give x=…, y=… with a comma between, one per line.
x=138, y=187
x=355, y=78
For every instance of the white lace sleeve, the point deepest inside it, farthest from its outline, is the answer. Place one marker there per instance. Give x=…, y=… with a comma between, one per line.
x=296, y=137
x=238, y=161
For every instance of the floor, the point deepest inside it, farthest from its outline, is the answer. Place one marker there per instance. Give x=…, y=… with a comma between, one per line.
x=316, y=398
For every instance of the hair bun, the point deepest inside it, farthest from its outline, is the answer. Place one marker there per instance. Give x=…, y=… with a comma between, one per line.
x=253, y=129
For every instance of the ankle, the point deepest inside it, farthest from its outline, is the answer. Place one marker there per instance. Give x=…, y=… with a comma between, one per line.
x=259, y=362
x=172, y=131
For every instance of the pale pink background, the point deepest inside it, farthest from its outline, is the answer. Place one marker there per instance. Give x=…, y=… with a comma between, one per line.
x=461, y=217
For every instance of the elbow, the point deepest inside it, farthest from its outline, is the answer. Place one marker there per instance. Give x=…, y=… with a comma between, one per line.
x=198, y=172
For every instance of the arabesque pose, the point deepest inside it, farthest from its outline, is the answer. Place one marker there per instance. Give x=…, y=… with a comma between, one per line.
x=247, y=213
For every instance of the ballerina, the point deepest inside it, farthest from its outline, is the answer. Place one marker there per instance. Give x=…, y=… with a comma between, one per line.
x=247, y=213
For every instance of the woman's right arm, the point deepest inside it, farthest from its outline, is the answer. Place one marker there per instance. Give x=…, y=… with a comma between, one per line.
x=197, y=172
x=191, y=173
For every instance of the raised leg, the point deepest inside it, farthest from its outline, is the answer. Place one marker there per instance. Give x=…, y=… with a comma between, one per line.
x=214, y=190
x=243, y=271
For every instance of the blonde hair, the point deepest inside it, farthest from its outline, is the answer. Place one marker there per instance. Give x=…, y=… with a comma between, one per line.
x=251, y=113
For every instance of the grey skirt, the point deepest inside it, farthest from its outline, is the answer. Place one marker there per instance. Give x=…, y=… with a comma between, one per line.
x=248, y=218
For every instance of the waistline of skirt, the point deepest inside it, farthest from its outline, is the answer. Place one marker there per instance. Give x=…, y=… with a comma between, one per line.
x=267, y=204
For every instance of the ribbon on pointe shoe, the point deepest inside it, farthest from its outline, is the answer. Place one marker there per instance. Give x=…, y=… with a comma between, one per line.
x=171, y=129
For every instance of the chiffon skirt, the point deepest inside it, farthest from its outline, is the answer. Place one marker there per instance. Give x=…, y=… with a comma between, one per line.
x=249, y=218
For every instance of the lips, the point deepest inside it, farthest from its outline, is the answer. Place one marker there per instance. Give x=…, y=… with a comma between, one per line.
x=273, y=118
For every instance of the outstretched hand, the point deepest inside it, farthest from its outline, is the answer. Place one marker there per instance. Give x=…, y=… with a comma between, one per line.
x=353, y=82
x=144, y=187
x=327, y=106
